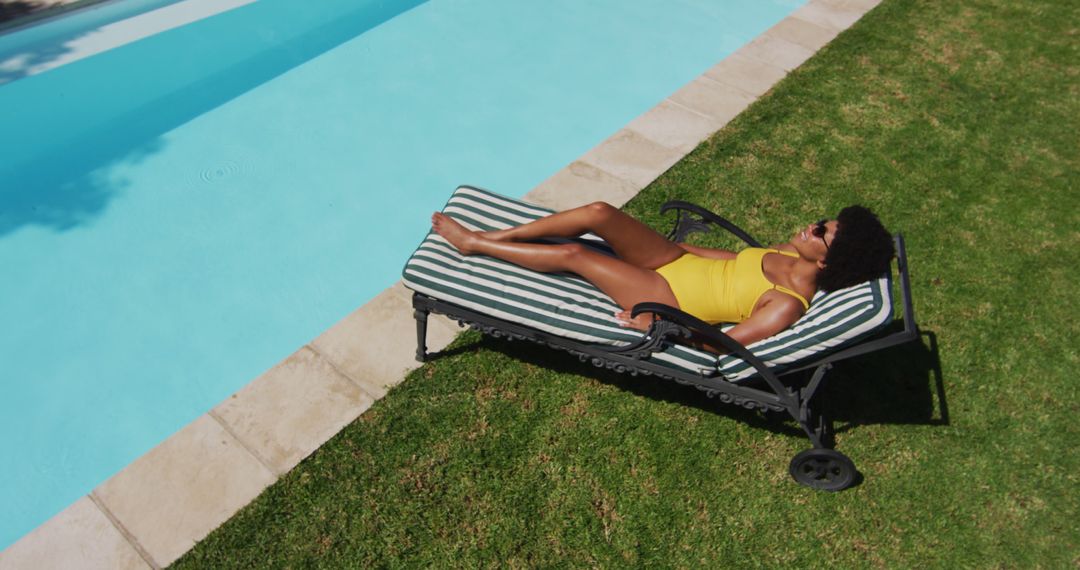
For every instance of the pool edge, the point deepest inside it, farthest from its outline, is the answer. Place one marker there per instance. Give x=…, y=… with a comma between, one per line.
x=220, y=462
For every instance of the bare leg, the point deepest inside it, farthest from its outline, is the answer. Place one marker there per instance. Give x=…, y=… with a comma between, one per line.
x=633, y=241
x=627, y=284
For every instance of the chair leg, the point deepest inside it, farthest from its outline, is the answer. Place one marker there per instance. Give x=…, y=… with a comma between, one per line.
x=421, y=334
x=812, y=417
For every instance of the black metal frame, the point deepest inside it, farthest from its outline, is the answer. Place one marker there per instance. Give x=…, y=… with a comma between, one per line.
x=820, y=467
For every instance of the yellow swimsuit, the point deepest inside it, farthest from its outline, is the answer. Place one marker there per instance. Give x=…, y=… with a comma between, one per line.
x=722, y=290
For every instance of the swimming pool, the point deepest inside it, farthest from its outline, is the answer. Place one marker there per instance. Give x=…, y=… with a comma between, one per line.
x=180, y=213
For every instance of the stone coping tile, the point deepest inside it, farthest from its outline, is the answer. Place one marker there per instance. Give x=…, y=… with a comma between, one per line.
x=861, y=6
x=746, y=74
x=81, y=536
x=287, y=413
x=806, y=34
x=830, y=14
x=675, y=126
x=632, y=157
x=719, y=101
x=579, y=184
x=375, y=346
x=776, y=52
x=172, y=497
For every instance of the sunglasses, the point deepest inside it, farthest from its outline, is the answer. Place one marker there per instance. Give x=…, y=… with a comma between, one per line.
x=819, y=231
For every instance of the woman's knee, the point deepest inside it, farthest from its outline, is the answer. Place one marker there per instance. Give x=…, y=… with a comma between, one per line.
x=572, y=251
x=600, y=211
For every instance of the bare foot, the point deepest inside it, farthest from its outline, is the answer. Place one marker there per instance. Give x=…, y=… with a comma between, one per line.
x=642, y=322
x=458, y=235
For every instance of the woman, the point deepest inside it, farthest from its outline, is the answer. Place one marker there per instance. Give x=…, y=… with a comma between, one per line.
x=764, y=290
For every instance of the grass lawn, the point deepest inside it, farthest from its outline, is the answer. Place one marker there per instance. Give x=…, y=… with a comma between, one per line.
x=957, y=121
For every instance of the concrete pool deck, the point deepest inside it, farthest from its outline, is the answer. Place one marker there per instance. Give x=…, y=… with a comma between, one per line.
x=158, y=507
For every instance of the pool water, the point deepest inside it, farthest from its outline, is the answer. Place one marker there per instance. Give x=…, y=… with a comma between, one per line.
x=180, y=213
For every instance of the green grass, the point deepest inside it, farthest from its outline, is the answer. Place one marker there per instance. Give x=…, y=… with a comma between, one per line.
x=957, y=121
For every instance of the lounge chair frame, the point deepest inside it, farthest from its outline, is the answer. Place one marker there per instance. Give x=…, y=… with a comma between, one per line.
x=821, y=467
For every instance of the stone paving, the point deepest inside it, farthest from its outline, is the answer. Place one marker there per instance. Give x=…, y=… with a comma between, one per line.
x=158, y=507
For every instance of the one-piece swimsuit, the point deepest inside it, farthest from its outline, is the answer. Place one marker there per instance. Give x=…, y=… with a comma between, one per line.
x=722, y=290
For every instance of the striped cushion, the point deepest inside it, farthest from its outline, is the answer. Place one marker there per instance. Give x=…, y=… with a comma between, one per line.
x=568, y=306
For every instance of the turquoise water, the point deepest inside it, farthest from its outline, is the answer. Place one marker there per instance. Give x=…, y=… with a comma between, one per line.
x=180, y=213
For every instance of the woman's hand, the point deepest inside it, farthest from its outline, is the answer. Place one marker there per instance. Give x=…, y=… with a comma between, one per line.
x=642, y=322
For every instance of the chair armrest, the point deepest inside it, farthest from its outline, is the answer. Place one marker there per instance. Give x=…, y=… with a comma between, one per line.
x=713, y=336
x=686, y=224
x=910, y=326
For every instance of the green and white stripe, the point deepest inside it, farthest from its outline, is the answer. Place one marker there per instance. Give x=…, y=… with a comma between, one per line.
x=568, y=306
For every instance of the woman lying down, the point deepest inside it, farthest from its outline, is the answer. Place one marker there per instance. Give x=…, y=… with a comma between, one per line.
x=763, y=290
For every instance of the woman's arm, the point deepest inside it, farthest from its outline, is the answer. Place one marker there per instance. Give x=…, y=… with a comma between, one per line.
x=709, y=253
x=775, y=312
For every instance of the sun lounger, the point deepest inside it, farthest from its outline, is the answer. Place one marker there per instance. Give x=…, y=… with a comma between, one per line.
x=778, y=374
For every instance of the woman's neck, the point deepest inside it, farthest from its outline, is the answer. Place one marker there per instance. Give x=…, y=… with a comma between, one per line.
x=796, y=273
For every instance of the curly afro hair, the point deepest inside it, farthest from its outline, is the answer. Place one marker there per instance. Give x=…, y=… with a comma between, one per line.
x=862, y=250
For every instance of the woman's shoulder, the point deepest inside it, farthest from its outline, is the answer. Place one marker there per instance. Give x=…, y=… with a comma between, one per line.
x=777, y=310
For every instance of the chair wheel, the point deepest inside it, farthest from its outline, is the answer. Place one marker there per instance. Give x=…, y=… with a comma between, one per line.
x=823, y=469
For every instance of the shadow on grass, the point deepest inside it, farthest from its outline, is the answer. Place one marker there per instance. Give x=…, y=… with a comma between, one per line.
x=902, y=385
